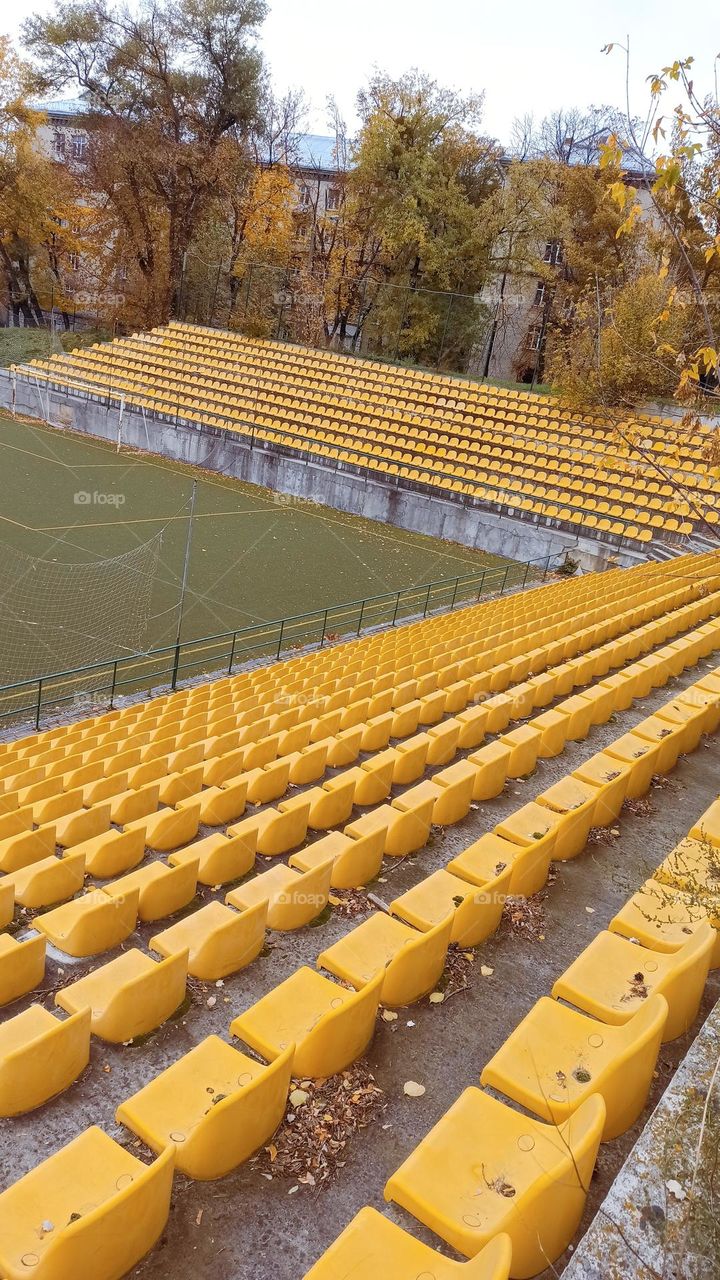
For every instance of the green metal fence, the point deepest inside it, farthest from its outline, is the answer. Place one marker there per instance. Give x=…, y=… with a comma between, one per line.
x=101, y=683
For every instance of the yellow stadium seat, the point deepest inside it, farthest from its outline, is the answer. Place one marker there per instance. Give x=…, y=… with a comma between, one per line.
x=293, y=898
x=91, y=924
x=556, y=1058
x=44, y=883
x=476, y=911
x=107, y=1209
x=485, y=1168
x=220, y=941
x=409, y=961
x=112, y=852
x=662, y=917
x=40, y=1056
x=613, y=976
x=162, y=889
x=372, y=1246
x=329, y=1025
x=221, y=858
x=129, y=996
x=217, y=1106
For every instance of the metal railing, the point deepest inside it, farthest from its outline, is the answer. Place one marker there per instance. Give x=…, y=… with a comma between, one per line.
x=101, y=683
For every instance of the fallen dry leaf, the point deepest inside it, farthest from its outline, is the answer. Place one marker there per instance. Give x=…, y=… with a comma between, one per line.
x=413, y=1089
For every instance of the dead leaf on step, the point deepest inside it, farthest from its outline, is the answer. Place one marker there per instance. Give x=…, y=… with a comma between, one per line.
x=412, y=1089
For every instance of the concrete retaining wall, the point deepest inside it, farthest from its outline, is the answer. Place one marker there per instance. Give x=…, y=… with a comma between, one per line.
x=659, y=1218
x=354, y=489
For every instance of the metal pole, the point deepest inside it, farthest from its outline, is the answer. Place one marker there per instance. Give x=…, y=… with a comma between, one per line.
x=427, y=599
x=454, y=594
x=362, y=610
x=232, y=653
x=527, y=570
x=280, y=640
x=215, y=294
x=186, y=565
x=397, y=606
x=324, y=626
x=445, y=329
x=482, y=584
x=505, y=580
x=39, y=703
x=112, y=687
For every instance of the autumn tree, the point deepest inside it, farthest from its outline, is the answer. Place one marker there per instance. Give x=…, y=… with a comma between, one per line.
x=423, y=166
x=166, y=84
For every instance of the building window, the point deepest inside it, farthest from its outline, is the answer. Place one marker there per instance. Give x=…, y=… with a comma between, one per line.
x=304, y=197
x=78, y=146
x=534, y=337
x=58, y=145
x=539, y=294
x=74, y=260
x=553, y=252
x=332, y=198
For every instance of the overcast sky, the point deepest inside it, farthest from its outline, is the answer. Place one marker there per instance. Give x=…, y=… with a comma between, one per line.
x=525, y=55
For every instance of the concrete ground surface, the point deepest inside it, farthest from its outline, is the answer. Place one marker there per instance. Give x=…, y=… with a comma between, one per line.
x=248, y=1228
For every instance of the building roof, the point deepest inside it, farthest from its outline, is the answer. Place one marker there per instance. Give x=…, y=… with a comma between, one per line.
x=315, y=151
x=62, y=107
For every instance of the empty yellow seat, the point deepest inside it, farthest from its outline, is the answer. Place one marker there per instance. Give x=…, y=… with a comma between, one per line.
x=130, y=995
x=331, y=803
x=293, y=898
x=640, y=755
x=22, y=965
x=485, y=1168
x=170, y=828
x=107, y=1209
x=25, y=847
x=409, y=961
x=355, y=860
x=40, y=1055
x=222, y=804
x=576, y=803
x=284, y=828
x=221, y=857
x=76, y=828
x=90, y=924
x=47, y=882
x=611, y=779
x=491, y=762
x=373, y=1248
x=219, y=940
x=662, y=917
x=269, y=782
x=613, y=976
x=329, y=1025
x=555, y=1058
x=112, y=852
x=162, y=889
x=476, y=910
x=407, y=820
x=486, y=859
x=524, y=743
x=707, y=827
x=217, y=1106
x=410, y=759
x=693, y=863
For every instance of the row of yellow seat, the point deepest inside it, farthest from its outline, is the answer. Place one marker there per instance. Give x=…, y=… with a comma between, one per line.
x=284, y=395
x=581, y=1063
x=329, y=1026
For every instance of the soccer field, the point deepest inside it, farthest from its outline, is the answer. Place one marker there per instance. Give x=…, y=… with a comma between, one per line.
x=255, y=555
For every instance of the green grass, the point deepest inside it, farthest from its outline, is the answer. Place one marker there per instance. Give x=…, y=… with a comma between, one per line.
x=19, y=345
x=256, y=556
